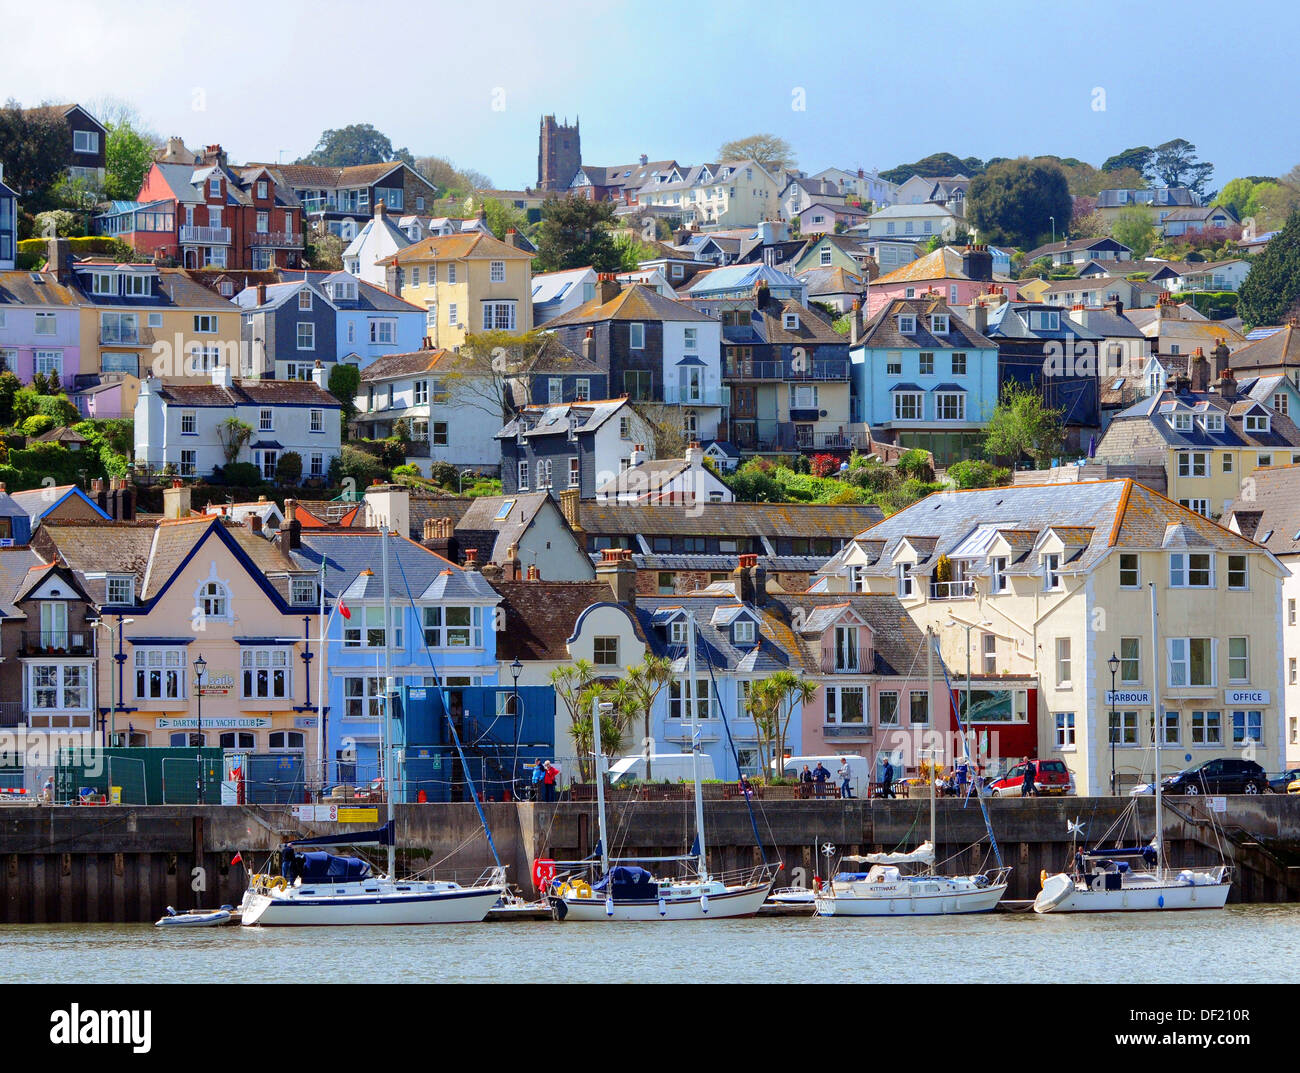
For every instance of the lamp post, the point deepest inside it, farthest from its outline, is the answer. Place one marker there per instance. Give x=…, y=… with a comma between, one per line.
x=1113, y=664
x=1053, y=219
x=113, y=634
x=200, y=667
x=460, y=480
x=516, y=669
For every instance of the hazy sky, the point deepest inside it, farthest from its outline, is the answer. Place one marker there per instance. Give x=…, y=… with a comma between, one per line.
x=879, y=84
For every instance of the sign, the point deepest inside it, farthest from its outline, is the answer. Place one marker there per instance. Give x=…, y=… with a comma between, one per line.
x=1219, y=804
x=215, y=722
x=416, y=693
x=1127, y=696
x=358, y=815
x=316, y=813
x=1245, y=696
x=304, y=722
x=209, y=692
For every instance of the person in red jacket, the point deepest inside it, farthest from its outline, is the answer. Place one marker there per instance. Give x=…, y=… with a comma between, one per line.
x=548, y=780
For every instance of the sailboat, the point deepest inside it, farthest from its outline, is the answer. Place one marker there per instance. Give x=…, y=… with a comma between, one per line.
x=909, y=884
x=320, y=888
x=1135, y=878
x=624, y=890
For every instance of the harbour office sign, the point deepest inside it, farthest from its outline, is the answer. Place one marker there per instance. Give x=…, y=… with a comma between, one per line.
x=1139, y=697
x=1245, y=696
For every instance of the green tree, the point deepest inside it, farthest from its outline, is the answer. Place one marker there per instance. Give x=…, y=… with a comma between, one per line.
x=127, y=157
x=1236, y=195
x=647, y=680
x=569, y=683
x=1017, y=200
x=493, y=370
x=324, y=251
x=343, y=383
x=359, y=143
x=766, y=150
x=772, y=702
x=1135, y=227
x=233, y=434
x=288, y=469
x=935, y=166
x=56, y=223
x=1174, y=163
x=1272, y=289
x=502, y=218
x=1136, y=159
x=10, y=385
x=34, y=146
x=1022, y=424
x=574, y=233
x=1272, y=204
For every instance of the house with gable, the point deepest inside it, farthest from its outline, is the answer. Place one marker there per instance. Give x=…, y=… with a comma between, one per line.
x=342, y=199
x=378, y=240
x=958, y=274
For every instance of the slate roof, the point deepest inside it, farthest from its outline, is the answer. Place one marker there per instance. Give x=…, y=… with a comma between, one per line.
x=467, y=244
x=1146, y=427
x=540, y=616
x=249, y=393
x=1271, y=517
x=943, y=263
x=741, y=278
x=396, y=366
x=1104, y=243
x=547, y=420
x=728, y=519
x=37, y=289
x=15, y=566
x=635, y=303
x=882, y=330
x=899, y=647
x=770, y=651
x=37, y=502
x=481, y=528
x=348, y=553
x=1280, y=349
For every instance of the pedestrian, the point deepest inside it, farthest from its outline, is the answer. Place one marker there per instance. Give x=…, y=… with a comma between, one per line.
x=846, y=790
x=1027, y=784
x=47, y=791
x=887, y=779
x=555, y=782
x=548, y=781
x=820, y=775
x=745, y=788
x=960, y=788
x=539, y=773
x=1078, y=862
x=805, y=782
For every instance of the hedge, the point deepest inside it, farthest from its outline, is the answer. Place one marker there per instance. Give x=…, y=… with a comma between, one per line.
x=1217, y=305
x=99, y=244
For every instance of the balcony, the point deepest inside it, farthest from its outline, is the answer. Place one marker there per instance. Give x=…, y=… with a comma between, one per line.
x=855, y=731
x=37, y=643
x=848, y=661
x=277, y=239
x=707, y=396
x=205, y=236
x=952, y=590
x=124, y=335
x=786, y=370
x=314, y=205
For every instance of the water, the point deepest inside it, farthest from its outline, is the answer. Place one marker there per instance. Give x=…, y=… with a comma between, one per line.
x=1238, y=944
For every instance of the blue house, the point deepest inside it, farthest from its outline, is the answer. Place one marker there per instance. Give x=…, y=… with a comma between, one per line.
x=922, y=377
x=64, y=502
x=8, y=225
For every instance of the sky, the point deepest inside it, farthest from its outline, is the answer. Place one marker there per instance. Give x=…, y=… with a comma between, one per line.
x=847, y=85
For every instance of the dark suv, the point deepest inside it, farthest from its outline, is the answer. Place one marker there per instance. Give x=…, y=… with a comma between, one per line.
x=1226, y=775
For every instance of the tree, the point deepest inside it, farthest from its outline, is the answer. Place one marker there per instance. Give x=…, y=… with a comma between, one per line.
x=647, y=681
x=359, y=143
x=1022, y=424
x=10, y=385
x=575, y=233
x=936, y=165
x=493, y=370
x=502, y=217
x=772, y=702
x=1135, y=227
x=233, y=434
x=766, y=150
x=1138, y=159
x=569, y=683
x=288, y=469
x=1273, y=286
x=127, y=157
x=343, y=383
x=450, y=180
x=324, y=251
x=1174, y=163
x=1237, y=195
x=1016, y=202
x=34, y=146
x=1272, y=204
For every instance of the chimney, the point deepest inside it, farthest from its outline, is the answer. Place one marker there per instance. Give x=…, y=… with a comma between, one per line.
x=855, y=323
x=762, y=294
x=1114, y=304
x=58, y=252
x=254, y=523
x=291, y=530
x=1199, y=368
x=977, y=263
x=471, y=559
x=1219, y=364
x=1226, y=386
x=618, y=571
x=392, y=278
x=588, y=342
x=569, y=506
x=510, y=568
x=644, y=160
x=381, y=210
x=261, y=294
x=438, y=537
x=979, y=316
x=694, y=455
x=750, y=581
x=318, y=374
x=389, y=504
x=1181, y=384
x=606, y=288
x=534, y=574
x=176, y=500
x=638, y=455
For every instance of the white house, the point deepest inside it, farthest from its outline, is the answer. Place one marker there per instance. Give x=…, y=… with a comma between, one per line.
x=734, y=194
x=916, y=222
x=184, y=425
x=866, y=185
x=665, y=480
x=557, y=293
x=379, y=239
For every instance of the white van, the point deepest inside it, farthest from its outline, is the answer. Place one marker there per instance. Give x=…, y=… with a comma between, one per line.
x=859, y=771
x=664, y=767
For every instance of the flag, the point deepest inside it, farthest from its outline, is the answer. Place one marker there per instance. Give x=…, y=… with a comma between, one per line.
x=236, y=859
x=343, y=609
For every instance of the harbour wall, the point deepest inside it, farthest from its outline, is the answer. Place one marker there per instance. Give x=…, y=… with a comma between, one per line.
x=128, y=863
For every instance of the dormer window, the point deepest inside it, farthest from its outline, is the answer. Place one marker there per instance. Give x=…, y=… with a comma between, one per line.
x=1182, y=422
x=1045, y=320
x=677, y=632
x=1257, y=422
x=998, y=574
x=103, y=283
x=904, y=581
x=939, y=323
x=304, y=299
x=214, y=187
x=1213, y=422
x=790, y=321
x=742, y=633
x=906, y=324
x=1051, y=571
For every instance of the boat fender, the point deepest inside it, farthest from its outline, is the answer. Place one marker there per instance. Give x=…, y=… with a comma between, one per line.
x=982, y=880
x=1042, y=877
x=663, y=907
x=817, y=882
x=609, y=906
x=704, y=903
x=561, y=908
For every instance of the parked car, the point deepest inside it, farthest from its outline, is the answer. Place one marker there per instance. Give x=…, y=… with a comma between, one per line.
x=1223, y=775
x=1282, y=783
x=1293, y=787
x=1051, y=777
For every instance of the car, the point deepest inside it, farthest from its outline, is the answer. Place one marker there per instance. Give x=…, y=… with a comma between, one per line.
x=1281, y=784
x=1223, y=775
x=1293, y=787
x=1051, y=777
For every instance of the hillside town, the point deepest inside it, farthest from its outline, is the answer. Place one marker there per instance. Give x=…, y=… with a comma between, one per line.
x=699, y=451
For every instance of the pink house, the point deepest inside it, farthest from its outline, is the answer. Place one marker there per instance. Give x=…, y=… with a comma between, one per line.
x=959, y=275
x=40, y=326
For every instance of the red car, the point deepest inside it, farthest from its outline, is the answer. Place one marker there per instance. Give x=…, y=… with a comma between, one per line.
x=1050, y=777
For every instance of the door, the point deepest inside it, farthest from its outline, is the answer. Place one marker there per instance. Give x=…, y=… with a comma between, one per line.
x=54, y=625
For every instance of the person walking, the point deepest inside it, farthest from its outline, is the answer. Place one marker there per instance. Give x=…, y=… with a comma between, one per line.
x=846, y=789
x=1027, y=784
x=539, y=773
x=887, y=779
x=820, y=774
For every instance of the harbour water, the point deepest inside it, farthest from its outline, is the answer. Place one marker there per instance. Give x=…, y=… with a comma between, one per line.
x=1238, y=944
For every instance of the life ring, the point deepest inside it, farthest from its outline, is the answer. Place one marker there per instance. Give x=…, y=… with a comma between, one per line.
x=543, y=872
x=257, y=881
x=278, y=883
x=578, y=888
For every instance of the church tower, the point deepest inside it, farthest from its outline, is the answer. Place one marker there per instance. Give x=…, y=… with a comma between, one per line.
x=559, y=153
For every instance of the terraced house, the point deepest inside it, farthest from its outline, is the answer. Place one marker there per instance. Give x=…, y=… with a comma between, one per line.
x=1036, y=591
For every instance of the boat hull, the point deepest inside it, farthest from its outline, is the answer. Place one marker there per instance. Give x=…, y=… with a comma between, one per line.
x=741, y=901
x=466, y=905
x=195, y=920
x=905, y=903
x=1164, y=896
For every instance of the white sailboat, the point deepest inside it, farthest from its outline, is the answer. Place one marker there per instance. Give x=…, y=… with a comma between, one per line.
x=1108, y=880
x=908, y=884
x=627, y=891
x=320, y=888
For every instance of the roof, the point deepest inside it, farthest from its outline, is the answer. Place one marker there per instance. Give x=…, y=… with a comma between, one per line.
x=728, y=519
x=883, y=331
x=16, y=566
x=943, y=263
x=38, y=502
x=1070, y=246
x=394, y=366
x=37, y=289
x=248, y=393
x=540, y=616
x=467, y=244
x=547, y=420
x=1271, y=516
x=504, y=518
x=1279, y=349
x=634, y=303
x=742, y=278
x=414, y=571
x=1147, y=426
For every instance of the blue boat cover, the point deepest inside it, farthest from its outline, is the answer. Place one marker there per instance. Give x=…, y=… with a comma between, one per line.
x=627, y=882
x=320, y=867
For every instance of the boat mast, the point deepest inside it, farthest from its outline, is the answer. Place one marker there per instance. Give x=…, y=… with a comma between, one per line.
x=695, y=744
x=929, y=700
x=388, y=698
x=1158, y=729
x=600, y=710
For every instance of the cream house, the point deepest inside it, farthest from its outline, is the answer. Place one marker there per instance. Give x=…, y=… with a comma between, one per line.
x=1039, y=591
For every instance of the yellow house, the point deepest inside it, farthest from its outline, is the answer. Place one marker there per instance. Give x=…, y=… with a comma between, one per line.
x=469, y=282
x=139, y=319
x=1035, y=591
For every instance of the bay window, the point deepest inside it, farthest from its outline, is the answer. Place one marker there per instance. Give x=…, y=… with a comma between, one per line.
x=453, y=627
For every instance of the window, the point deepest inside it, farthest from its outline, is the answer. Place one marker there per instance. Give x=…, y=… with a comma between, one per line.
x=887, y=716
x=581, y=390
x=904, y=581
x=384, y=331
x=844, y=705
x=87, y=141
x=1182, y=422
x=1207, y=728
x=160, y=673
x=1062, y=662
x=304, y=295
x=1227, y=461
x=677, y=704
x=1123, y=728
x=365, y=629
x=498, y=316
x=266, y=673
x=1281, y=403
x=1128, y=570
x=950, y=406
x=906, y=324
x=998, y=574
x=1263, y=460
x=317, y=464
x=206, y=324
x=286, y=740
x=49, y=361
x=893, y=364
x=214, y=187
x=238, y=739
x=1238, y=659
x=959, y=364
x=1257, y=422
x=575, y=472
x=119, y=328
x=438, y=434
x=1246, y=726
x=1191, y=661
x=790, y=321
x=1065, y=730
x=189, y=423
x=919, y=712
x=265, y=418
x=803, y=396
x=1191, y=570
x=939, y=323
x=908, y=406
x=362, y=698
x=1193, y=463
x=498, y=272
x=989, y=651
x=451, y=274
x=1044, y=320
x=1291, y=671
x=1290, y=612
x=1130, y=660
x=1051, y=571
x=453, y=315
x=303, y=590
x=214, y=600
x=453, y=627
x=927, y=364
x=120, y=590
x=415, y=275
x=848, y=657
x=189, y=463
x=306, y=335
x=60, y=686
x=522, y=482
x=1237, y=576
x=636, y=336
x=261, y=188
x=825, y=258
x=1199, y=506
x=316, y=422
x=45, y=324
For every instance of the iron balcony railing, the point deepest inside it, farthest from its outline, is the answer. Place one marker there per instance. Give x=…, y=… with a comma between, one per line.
x=847, y=661
x=289, y=239
x=742, y=369
x=120, y=333
x=11, y=714
x=58, y=642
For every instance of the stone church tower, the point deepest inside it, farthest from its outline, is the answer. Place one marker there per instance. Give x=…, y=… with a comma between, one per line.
x=559, y=154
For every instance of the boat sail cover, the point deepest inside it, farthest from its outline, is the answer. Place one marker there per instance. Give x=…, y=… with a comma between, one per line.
x=319, y=866
x=923, y=854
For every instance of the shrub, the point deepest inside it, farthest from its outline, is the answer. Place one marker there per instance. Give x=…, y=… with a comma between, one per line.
x=875, y=477
x=976, y=473
x=288, y=468
x=362, y=468
x=916, y=464
x=38, y=424
x=409, y=469
x=825, y=465
x=79, y=247
x=802, y=465
x=445, y=474
x=238, y=474
x=10, y=385
x=60, y=408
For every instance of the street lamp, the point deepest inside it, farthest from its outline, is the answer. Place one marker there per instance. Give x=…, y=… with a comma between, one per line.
x=516, y=669
x=114, y=634
x=1113, y=664
x=200, y=666
x=967, y=626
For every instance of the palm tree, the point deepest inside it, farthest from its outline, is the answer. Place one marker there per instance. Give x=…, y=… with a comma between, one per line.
x=647, y=681
x=763, y=704
x=569, y=682
x=772, y=702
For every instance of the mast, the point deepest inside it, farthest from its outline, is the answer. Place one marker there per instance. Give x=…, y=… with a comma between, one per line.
x=600, y=710
x=695, y=745
x=929, y=676
x=320, y=684
x=1155, y=697
x=388, y=696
